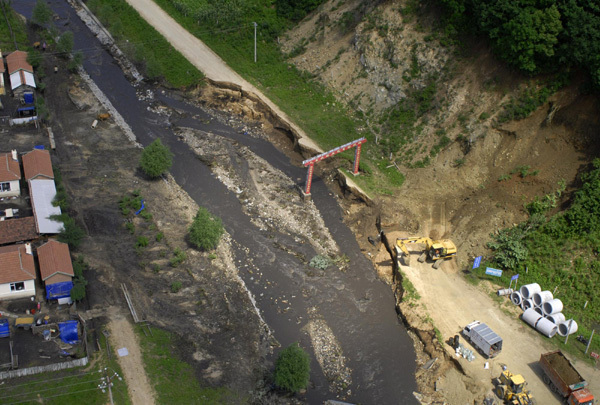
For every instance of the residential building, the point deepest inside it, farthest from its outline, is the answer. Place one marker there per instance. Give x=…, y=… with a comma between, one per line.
x=10, y=175
x=17, y=272
x=56, y=269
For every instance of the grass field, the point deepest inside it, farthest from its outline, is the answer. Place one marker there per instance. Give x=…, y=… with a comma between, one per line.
x=174, y=380
x=72, y=386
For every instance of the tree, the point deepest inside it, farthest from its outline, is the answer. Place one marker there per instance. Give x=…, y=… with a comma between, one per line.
x=524, y=33
x=156, y=159
x=65, y=44
x=41, y=14
x=206, y=230
x=296, y=10
x=76, y=61
x=292, y=368
x=79, y=281
x=72, y=234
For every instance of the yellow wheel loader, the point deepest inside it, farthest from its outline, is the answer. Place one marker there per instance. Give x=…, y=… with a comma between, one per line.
x=511, y=389
x=437, y=250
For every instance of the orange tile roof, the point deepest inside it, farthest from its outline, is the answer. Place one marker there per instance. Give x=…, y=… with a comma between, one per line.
x=37, y=163
x=54, y=257
x=9, y=168
x=18, y=61
x=17, y=230
x=2, y=69
x=16, y=264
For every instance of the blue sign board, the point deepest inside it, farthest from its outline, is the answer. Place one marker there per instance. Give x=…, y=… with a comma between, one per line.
x=493, y=272
x=515, y=277
x=477, y=262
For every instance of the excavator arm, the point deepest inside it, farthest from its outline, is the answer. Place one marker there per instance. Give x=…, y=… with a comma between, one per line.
x=401, y=246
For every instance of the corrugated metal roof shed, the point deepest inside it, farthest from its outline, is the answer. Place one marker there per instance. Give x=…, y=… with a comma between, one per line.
x=42, y=194
x=487, y=334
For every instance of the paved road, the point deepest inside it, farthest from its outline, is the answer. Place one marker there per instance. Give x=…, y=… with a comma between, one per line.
x=208, y=62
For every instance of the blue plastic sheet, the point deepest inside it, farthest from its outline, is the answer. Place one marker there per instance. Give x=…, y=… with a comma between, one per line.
x=59, y=290
x=68, y=332
x=4, y=328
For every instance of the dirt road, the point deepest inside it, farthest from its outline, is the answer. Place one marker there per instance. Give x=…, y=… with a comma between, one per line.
x=209, y=62
x=452, y=303
x=123, y=336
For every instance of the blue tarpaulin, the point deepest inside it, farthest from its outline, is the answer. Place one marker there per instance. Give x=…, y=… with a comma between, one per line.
x=59, y=290
x=30, y=108
x=40, y=147
x=4, y=328
x=68, y=332
x=28, y=98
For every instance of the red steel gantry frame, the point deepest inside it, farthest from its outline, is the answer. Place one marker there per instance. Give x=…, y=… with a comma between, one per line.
x=311, y=162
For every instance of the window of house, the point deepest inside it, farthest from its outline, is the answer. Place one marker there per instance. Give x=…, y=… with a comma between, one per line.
x=5, y=186
x=20, y=286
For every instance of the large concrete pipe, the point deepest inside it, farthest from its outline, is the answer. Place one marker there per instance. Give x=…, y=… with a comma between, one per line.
x=539, y=310
x=540, y=297
x=557, y=318
x=505, y=291
x=528, y=290
x=527, y=304
x=567, y=327
x=546, y=328
x=531, y=317
x=553, y=306
x=516, y=298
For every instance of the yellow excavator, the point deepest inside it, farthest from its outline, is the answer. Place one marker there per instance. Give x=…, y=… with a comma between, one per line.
x=437, y=250
x=511, y=389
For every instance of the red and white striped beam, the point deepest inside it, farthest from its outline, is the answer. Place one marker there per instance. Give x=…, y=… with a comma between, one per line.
x=311, y=162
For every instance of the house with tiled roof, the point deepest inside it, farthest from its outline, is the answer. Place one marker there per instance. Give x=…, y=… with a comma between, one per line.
x=17, y=272
x=17, y=230
x=19, y=71
x=37, y=167
x=37, y=164
x=56, y=269
x=10, y=175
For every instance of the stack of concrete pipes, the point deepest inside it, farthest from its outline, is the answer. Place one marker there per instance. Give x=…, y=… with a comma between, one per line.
x=541, y=310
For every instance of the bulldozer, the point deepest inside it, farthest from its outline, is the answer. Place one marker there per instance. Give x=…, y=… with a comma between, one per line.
x=511, y=389
x=437, y=250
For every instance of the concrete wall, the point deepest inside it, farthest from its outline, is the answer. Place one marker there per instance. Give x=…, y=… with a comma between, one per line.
x=15, y=189
x=6, y=293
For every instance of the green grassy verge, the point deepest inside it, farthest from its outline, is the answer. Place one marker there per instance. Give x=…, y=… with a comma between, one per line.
x=18, y=28
x=144, y=45
x=559, y=252
x=174, y=380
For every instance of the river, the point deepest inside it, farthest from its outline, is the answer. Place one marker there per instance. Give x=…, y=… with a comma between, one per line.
x=355, y=304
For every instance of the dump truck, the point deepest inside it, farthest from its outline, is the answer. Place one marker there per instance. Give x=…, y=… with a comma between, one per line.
x=564, y=379
x=483, y=338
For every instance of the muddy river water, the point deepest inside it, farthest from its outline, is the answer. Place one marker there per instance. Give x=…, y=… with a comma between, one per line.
x=354, y=304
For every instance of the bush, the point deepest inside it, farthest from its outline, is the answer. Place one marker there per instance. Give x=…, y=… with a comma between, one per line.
x=79, y=281
x=176, y=286
x=509, y=248
x=206, y=230
x=65, y=43
x=142, y=241
x=292, y=369
x=156, y=159
x=179, y=257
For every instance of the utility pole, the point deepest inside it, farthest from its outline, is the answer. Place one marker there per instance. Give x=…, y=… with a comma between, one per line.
x=255, y=25
x=107, y=383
